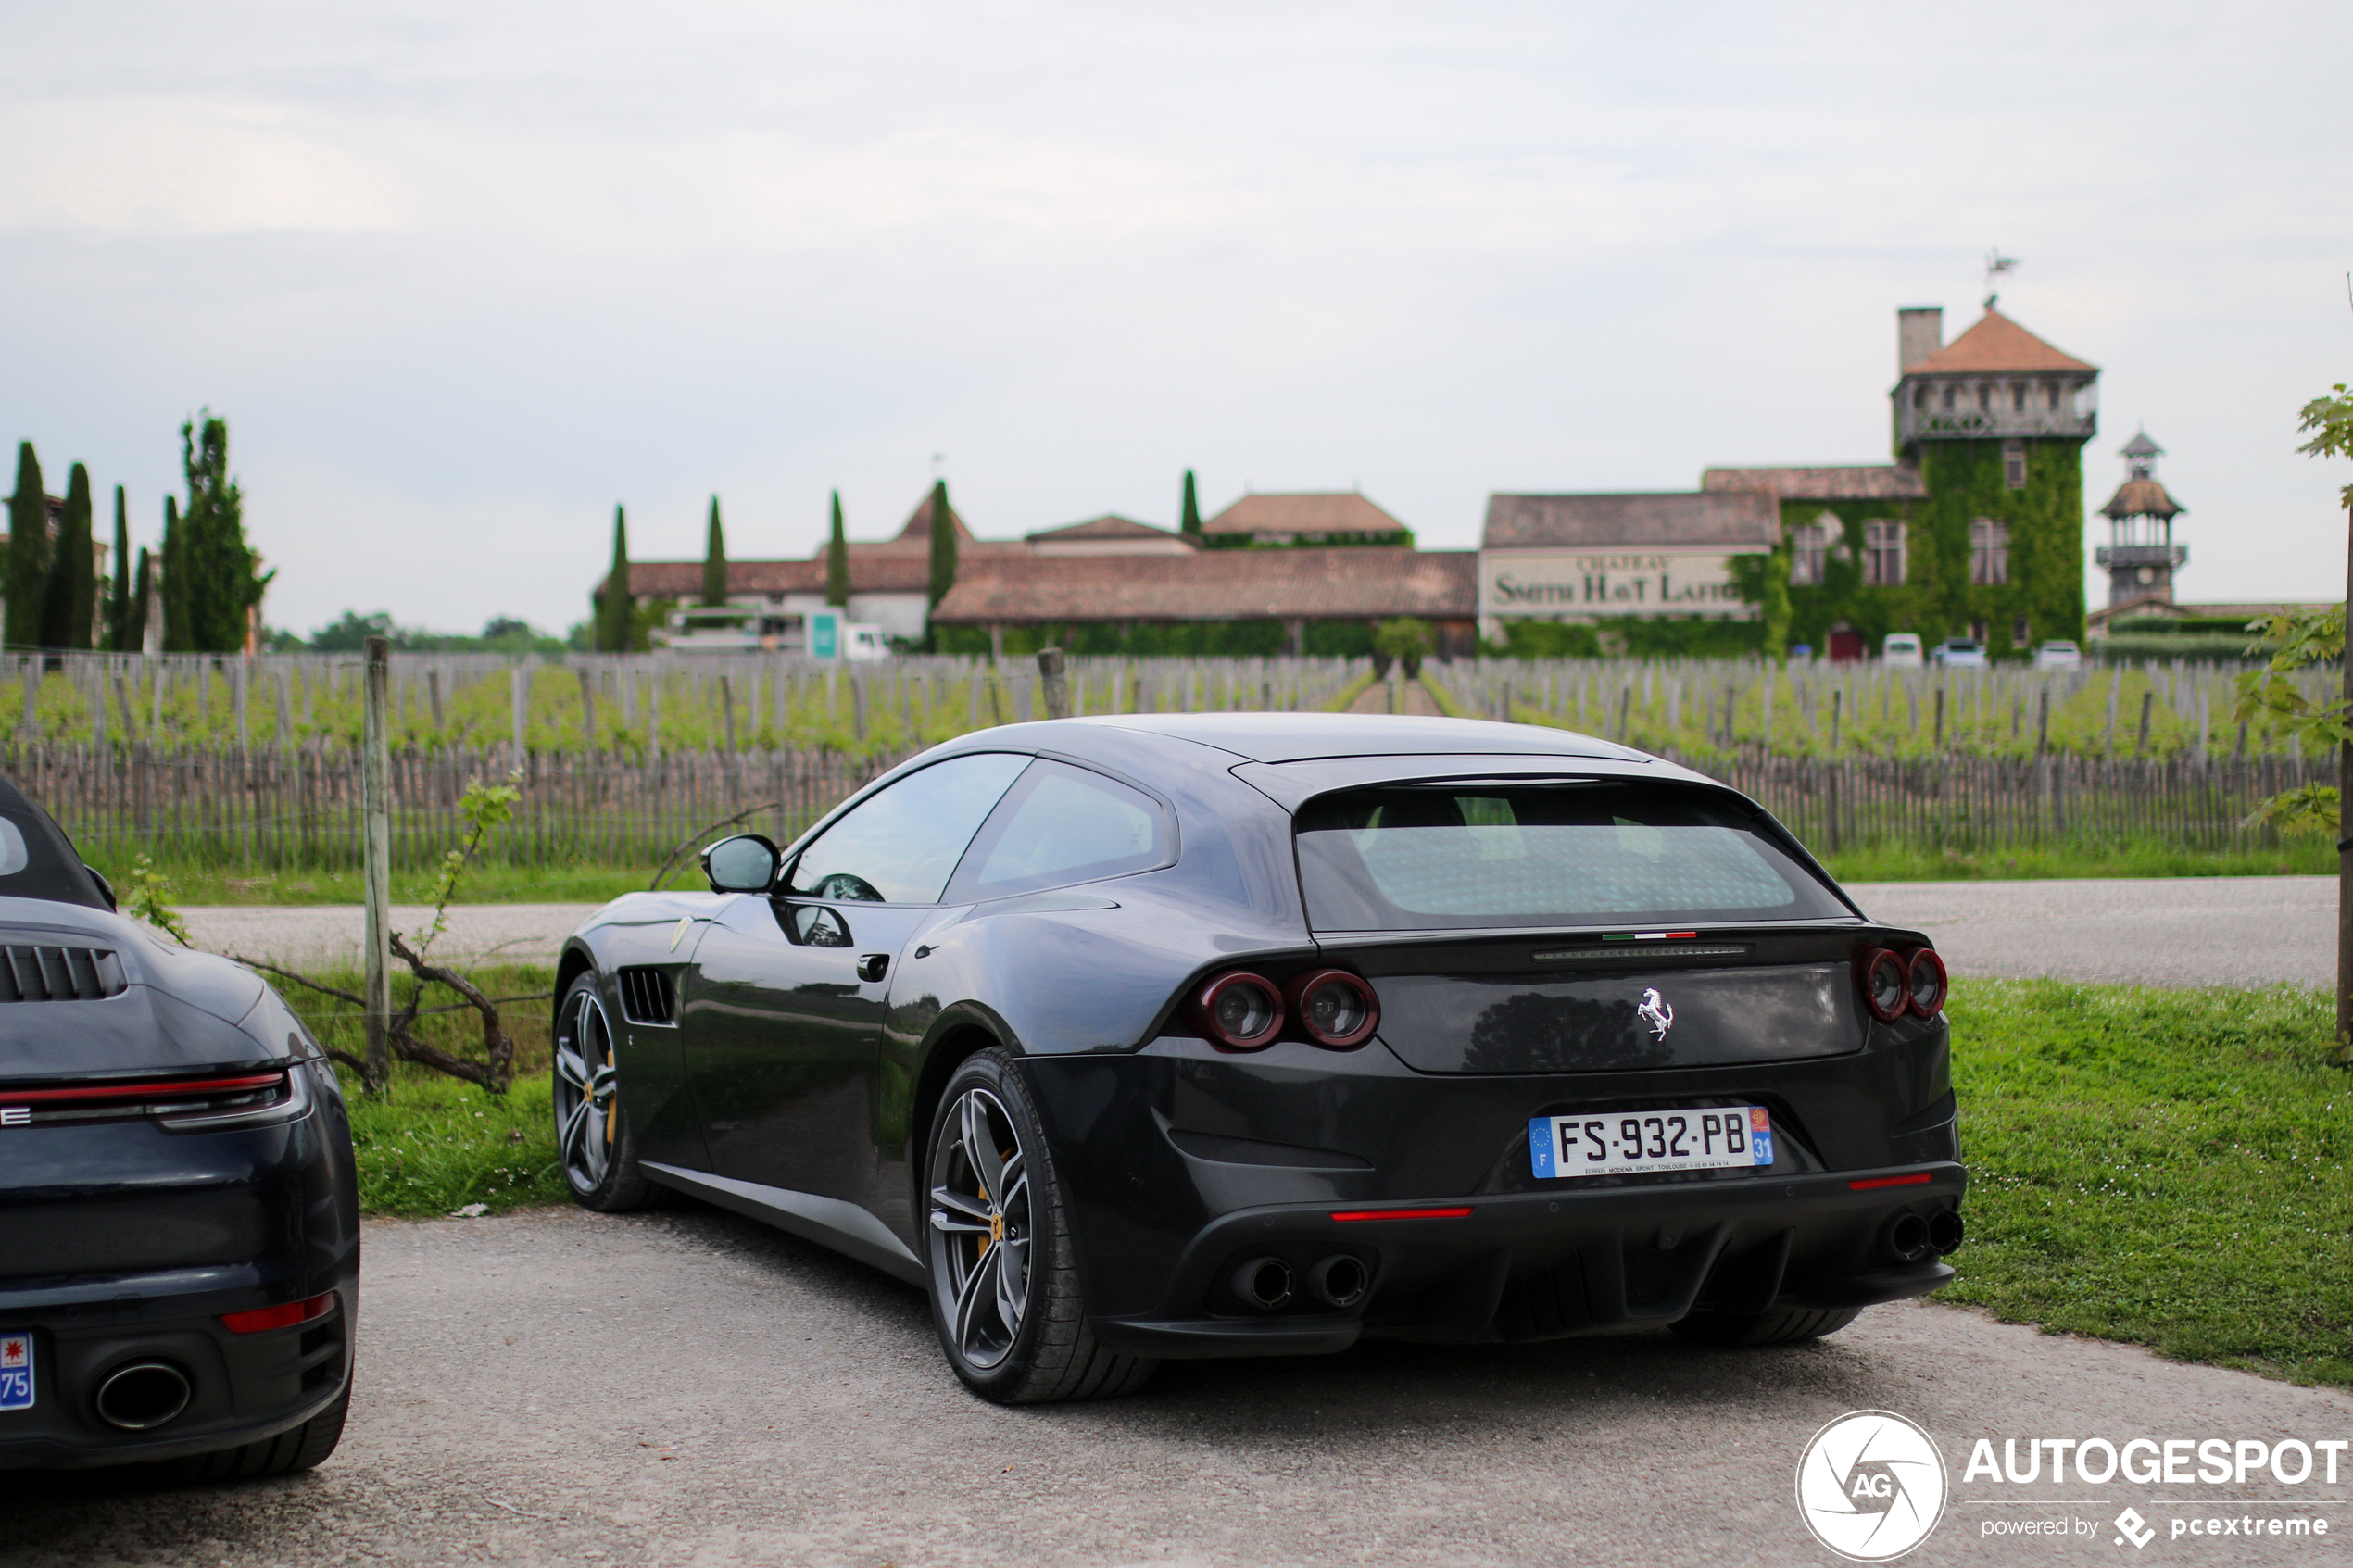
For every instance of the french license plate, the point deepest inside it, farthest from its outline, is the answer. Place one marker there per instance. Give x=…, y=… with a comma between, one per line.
x=16, y=1371
x=1630, y=1143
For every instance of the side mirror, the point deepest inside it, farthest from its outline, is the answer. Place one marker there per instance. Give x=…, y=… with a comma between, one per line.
x=745, y=863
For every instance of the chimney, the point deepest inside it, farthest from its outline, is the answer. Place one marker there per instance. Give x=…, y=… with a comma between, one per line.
x=1920, y=331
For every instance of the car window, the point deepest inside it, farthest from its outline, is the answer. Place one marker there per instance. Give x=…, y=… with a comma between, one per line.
x=899, y=846
x=1417, y=857
x=1062, y=824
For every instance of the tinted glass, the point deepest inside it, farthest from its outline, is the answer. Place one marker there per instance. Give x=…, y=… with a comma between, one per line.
x=1062, y=824
x=1437, y=856
x=899, y=846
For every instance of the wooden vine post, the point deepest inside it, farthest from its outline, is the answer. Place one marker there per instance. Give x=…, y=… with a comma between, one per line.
x=1054, y=682
x=375, y=790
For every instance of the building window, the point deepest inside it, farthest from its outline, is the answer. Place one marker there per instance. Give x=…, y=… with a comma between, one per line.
x=1884, y=553
x=1948, y=399
x=2014, y=464
x=1984, y=399
x=1989, y=552
x=2051, y=396
x=1809, y=548
x=1919, y=396
x=2019, y=633
x=2017, y=397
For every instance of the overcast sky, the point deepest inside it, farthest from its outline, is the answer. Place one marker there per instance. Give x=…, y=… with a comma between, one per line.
x=462, y=276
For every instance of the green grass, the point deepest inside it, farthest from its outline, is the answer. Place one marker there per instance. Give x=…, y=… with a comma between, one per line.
x=435, y=1144
x=2304, y=854
x=2163, y=1167
x=484, y=883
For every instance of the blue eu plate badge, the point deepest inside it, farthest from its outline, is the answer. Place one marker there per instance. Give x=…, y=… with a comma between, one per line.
x=1633, y=1143
x=16, y=1371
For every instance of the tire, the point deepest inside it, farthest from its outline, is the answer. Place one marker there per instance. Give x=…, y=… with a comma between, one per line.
x=594, y=1143
x=1784, y=1327
x=289, y=1453
x=1012, y=1342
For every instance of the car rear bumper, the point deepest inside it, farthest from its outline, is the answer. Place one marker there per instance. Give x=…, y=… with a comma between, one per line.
x=1545, y=1265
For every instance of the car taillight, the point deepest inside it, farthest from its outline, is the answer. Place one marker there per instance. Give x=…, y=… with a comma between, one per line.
x=1239, y=1010
x=1334, y=1009
x=1927, y=981
x=261, y=1319
x=1887, y=983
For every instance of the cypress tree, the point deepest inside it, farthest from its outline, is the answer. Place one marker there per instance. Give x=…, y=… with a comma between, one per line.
x=119, y=601
x=176, y=638
x=222, y=586
x=28, y=551
x=135, y=625
x=613, y=607
x=1190, y=527
x=943, y=543
x=71, y=593
x=838, y=561
x=714, y=561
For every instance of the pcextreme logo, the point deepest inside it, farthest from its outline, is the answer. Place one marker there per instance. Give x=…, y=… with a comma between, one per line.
x=1871, y=1486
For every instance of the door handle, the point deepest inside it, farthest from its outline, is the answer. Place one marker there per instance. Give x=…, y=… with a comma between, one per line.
x=871, y=966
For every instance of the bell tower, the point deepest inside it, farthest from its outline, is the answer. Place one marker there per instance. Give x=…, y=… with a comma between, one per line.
x=2140, y=556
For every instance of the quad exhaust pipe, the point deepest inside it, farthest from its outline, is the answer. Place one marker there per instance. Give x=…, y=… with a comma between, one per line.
x=1265, y=1283
x=141, y=1396
x=1270, y=1284
x=1946, y=1231
x=1909, y=1238
x=1338, y=1281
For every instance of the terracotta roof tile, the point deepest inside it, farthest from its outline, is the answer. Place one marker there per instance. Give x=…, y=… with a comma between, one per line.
x=1995, y=345
x=1111, y=525
x=1303, y=513
x=1349, y=582
x=1859, y=482
x=1641, y=519
x=2142, y=497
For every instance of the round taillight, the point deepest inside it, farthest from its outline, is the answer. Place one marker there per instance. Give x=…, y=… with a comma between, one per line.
x=1240, y=1011
x=1334, y=1009
x=1887, y=984
x=1927, y=982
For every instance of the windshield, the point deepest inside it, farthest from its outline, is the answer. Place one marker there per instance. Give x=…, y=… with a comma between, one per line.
x=1416, y=857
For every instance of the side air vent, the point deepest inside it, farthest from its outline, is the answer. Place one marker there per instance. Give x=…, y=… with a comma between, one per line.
x=649, y=996
x=58, y=974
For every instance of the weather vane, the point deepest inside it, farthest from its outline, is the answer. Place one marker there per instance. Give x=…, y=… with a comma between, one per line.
x=1995, y=265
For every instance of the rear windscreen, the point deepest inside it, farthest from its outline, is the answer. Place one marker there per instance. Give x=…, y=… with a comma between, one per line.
x=1416, y=857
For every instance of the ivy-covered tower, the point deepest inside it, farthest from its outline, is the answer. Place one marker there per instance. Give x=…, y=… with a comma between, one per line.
x=1995, y=422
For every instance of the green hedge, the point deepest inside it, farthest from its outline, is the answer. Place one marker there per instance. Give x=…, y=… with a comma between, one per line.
x=1167, y=639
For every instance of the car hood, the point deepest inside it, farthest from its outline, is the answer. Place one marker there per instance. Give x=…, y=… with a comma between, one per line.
x=177, y=1011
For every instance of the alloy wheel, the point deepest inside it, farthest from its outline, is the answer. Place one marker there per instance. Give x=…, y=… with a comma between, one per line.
x=585, y=1088
x=980, y=1227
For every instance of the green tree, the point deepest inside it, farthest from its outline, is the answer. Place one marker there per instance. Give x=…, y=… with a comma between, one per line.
x=28, y=551
x=714, y=561
x=70, y=596
x=135, y=633
x=178, y=637
x=1191, y=526
x=613, y=600
x=943, y=543
x=224, y=585
x=838, y=561
x=118, y=598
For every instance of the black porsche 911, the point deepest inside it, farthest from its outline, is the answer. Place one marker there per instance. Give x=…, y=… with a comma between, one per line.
x=1234, y=1034
x=179, y=1213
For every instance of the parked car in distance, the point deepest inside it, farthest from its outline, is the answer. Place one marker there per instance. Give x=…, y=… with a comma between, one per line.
x=2057, y=654
x=1901, y=650
x=1164, y=1035
x=179, y=1213
x=1960, y=653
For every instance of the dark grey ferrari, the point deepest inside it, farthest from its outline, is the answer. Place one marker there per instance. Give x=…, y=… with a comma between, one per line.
x=179, y=1214
x=1242, y=1035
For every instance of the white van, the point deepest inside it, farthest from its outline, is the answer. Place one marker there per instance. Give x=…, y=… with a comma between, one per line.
x=1902, y=651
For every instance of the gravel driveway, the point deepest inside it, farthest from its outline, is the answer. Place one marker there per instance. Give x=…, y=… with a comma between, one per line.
x=559, y=1387
x=2184, y=930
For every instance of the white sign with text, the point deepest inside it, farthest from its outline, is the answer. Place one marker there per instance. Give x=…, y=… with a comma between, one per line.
x=1556, y=583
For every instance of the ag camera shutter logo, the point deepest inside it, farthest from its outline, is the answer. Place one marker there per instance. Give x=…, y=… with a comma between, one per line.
x=1871, y=1486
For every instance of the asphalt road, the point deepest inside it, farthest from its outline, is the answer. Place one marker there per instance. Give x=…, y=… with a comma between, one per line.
x=559, y=1387
x=2184, y=931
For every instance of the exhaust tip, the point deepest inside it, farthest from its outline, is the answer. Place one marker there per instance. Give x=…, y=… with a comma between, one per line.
x=1907, y=1238
x=1338, y=1281
x=1265, y=1283
x=1946, y=1231
x=144, y=1395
